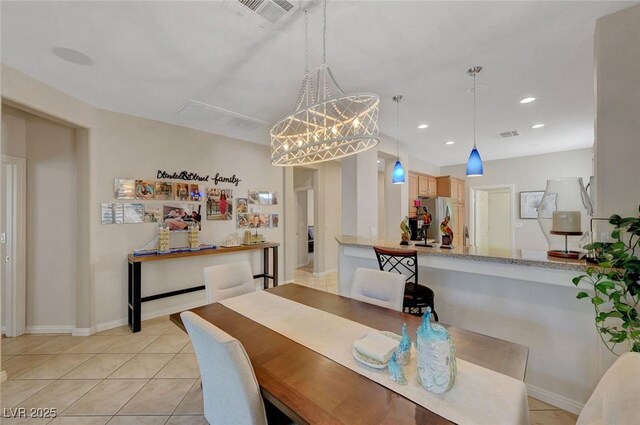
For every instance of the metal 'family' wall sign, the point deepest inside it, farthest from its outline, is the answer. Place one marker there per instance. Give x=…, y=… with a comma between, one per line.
x=186, y=175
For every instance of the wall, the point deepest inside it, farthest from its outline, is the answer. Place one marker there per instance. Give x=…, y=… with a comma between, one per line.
x=528, y=173
x=424, y=167
x=617, y=57
x=51, y=216
x=126, y=146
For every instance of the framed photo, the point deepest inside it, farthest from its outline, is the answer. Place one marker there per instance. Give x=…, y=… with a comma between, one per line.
x=274, y=220
x=530, y=203
x=133, y=213
x=182, y=192
x=164, y=191
x=125, y=188
x=219, y=204
x=262, y=197
x=178, y=216
x=145, y=190
x=152, y=215
x=241, y=206
x=196, y=193
x=251, y=221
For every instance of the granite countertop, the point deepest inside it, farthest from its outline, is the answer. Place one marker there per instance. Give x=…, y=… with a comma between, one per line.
x=518, y=257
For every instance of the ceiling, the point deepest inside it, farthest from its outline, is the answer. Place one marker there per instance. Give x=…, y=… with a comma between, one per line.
x=150, y=58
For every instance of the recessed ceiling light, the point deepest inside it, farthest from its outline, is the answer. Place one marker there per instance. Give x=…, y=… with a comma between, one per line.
x=378, y=161
x=422, y=126
x=450, y=142
x=537, y=126
x=528, y=100
x=71, y=55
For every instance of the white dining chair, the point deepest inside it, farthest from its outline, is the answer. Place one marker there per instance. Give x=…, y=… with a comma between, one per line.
x=379, y=288
x=229, y=385
x=228, y=280
x=616, y=397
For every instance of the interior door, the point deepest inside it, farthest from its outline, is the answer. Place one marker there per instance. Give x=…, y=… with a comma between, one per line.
x=302, y=232
x=12, y=236
x=499, y=207
x=481, y=219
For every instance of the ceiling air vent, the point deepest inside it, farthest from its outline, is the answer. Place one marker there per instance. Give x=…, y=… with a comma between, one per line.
x=201, y=112
x=506, y=134
x=259, y=11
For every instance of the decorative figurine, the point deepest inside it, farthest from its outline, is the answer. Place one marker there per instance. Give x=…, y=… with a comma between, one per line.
x=395, y=370
x=436, y=356
x=447, y=233
x=406, y=231
x=404, y=350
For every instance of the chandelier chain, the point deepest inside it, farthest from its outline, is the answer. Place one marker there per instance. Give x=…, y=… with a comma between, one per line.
x=306, y=41
x=398, y=127
x=474, y=109
x=324, y=32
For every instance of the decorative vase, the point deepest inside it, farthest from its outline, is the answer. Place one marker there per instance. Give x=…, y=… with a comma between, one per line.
x=436, y=356
x=404, y=349
x=563, y=213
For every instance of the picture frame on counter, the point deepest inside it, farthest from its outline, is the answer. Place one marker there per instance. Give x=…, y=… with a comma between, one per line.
x=530, y=204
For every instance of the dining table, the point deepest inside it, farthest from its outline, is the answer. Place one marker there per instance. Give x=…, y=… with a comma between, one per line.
x=313, y=389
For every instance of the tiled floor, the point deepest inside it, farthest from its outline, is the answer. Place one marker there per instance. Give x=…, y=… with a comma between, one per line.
x=119, y=378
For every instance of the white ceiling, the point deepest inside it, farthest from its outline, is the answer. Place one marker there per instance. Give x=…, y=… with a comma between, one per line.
x=151, y=57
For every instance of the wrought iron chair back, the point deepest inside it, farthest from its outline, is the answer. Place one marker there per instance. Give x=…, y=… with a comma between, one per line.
x=404, y=261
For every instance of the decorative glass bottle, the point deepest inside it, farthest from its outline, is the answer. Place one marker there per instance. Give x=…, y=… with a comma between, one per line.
x=436, y=356
x=404, y=349
x=563, y=213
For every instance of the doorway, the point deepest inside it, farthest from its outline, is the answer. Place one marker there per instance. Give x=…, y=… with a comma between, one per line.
x=305, y=214
x=492, y=218
x=13, y=241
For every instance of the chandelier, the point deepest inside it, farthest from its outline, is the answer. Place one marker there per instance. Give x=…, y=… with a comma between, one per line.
x=327, y=123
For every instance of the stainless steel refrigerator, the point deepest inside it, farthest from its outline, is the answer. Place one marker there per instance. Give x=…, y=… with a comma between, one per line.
x=439, y=208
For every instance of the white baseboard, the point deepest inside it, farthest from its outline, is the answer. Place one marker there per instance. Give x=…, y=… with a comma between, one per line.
x=83, y=331
x=150, y=315
x=49, y=329
x=554, y=399
x=324, y=273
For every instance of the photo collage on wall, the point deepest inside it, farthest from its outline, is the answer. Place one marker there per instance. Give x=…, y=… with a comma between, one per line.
x=250, y=214
x=177, y=214
x=182, y=205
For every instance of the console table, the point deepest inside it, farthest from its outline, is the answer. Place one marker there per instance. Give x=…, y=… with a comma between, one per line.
x=135, y=275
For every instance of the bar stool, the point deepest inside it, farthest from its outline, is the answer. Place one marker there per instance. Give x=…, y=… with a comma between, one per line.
x=416, y=297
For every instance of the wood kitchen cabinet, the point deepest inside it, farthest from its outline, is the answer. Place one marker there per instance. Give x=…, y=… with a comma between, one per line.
x=427, y=186
x=413, y=193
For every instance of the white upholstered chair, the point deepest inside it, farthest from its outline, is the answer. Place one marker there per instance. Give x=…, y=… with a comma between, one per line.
x=229, y=386
x=228, y=280
x=377, y=287
x=616, y=397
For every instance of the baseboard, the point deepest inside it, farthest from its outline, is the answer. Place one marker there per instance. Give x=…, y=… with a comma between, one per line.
x=554, y=399
x=83, y=331
x=151, y=315
x=49, y=329
x=324, y=273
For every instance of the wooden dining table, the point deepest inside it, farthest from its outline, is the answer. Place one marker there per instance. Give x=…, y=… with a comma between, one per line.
x=312, y=389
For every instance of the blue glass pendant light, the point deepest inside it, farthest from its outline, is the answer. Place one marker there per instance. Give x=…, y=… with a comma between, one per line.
x=474, y=163
x=398, y=170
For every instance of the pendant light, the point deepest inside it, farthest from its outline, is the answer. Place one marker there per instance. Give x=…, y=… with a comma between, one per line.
x=398, y=171
x=474, y=164
x=327, y=123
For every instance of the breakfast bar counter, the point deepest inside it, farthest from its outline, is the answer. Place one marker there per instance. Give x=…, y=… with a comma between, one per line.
x=520, y=296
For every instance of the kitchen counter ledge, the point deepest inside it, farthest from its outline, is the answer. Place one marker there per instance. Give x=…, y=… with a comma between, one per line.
x=516, y=257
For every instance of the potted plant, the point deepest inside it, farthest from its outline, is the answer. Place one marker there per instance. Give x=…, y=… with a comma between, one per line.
x=615, y=280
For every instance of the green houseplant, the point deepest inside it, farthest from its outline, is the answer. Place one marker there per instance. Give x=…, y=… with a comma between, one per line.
x=616, y=284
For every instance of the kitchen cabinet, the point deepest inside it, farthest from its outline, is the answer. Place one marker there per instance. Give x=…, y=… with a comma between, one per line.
x=413, y=192
x=427, y=186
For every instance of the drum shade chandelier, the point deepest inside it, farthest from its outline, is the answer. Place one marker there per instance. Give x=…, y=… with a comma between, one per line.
x=474, y=163
x=327, y=123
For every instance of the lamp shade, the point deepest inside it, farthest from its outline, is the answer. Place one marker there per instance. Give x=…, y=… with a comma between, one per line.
x=398, y=173
x=474, y=164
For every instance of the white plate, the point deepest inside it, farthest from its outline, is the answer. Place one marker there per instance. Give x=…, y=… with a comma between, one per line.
x=368, y=361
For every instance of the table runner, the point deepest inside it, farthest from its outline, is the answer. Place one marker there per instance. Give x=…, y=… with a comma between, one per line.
x=479, y=395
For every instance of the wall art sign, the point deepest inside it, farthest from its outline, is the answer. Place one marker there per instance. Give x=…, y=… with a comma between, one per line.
x=189, y=176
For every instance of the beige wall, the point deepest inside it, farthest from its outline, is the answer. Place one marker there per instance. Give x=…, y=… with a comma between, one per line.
x=126, y=146
x=51, y=216
x=528, y=173
x=617, y=56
